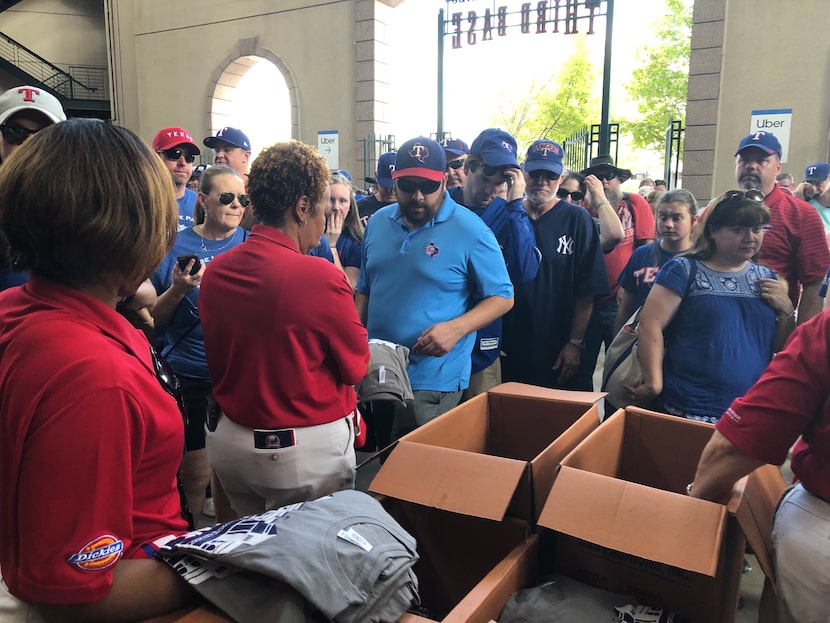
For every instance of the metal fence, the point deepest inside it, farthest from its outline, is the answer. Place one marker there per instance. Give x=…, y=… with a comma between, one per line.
x=581, y=146
x=372, y=149
x=675, y=137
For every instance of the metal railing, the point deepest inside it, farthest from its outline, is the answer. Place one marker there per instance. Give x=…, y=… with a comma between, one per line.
x=372, y=149
x=82, y=82
x=581, y=146
x=675, y=136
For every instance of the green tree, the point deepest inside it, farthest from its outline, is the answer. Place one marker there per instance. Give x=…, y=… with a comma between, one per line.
x=559, y=107
x=659, y=85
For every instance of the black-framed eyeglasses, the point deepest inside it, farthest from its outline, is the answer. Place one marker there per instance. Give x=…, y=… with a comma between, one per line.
x=427, y=187
x=16, y=134
x=175, y=154
x=606, y=177
x=733, y=196
x=227, y=198
x=541, y=173
x=456, y=164
x=576, y=195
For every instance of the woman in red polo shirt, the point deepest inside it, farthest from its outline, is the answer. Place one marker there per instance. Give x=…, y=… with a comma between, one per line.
x=284, y=345
x=90, y=437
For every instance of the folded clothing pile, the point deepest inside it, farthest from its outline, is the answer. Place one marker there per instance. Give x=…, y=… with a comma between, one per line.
x=341, y=557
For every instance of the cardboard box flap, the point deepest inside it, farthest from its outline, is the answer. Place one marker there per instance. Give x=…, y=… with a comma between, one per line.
x=627, y=517
x=544, y=393
x=754, y=500
x=453, y=480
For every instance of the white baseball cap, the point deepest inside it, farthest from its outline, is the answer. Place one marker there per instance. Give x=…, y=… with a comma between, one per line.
x=30, y=98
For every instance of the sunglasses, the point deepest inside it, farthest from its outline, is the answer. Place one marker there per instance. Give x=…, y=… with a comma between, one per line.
x=426, y=188
x=535, y=175
x=15, y=134
x=734, y=196
x=456, y=164
x=490, y=171
x=576, y=195
x=175, y=154
x=227, y=199
x=606, y=176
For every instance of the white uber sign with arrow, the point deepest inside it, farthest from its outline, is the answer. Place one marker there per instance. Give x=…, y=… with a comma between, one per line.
x=328, y=144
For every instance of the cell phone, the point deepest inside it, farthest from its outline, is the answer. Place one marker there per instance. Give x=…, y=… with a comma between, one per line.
x=183, y=261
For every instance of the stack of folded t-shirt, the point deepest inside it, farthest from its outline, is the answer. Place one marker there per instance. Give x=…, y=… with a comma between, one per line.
x=341, y=557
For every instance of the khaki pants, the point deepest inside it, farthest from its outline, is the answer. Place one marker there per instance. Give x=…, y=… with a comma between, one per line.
x=483, y=380
x=321, y=461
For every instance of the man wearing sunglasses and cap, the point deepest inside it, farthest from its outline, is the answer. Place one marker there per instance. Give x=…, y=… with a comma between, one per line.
x=456, y=151
x=177, y=151
x=492, y=170
x=24, y=111
x=231, y=148
x=432, y=275
x=602, y=182
x=544, y=333
x=795, y=246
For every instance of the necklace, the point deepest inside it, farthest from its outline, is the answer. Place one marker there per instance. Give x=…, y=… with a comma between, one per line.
x=224, y=246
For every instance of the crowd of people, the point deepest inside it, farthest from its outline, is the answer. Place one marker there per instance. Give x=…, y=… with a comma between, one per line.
x=258, y=284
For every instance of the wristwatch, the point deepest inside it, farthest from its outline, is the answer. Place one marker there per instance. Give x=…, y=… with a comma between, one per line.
x=579, y=343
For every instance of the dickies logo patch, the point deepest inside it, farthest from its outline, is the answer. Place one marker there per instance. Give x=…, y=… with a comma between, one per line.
x=99, y=553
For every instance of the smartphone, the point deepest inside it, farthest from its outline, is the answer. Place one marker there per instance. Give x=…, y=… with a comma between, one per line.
x=183, y=260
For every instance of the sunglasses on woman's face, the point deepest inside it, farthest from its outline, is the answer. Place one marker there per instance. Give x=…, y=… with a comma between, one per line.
x=227, y=199
x=426, y=187
x=15, y=134
x=175, y=154
x=574, y=194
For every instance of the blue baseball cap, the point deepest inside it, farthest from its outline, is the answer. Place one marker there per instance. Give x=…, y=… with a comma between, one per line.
x=496, y=147
x=232, y=136
x=817, y=172
x=386, y=164
x=544, y=155
x=455, y=146
x=421, y=157
x=343, y=173
x=765, y=141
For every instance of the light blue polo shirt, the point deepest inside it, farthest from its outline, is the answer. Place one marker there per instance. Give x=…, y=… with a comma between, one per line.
x=417, y=278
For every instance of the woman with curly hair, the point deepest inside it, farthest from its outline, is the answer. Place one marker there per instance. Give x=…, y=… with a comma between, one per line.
x=284, y=345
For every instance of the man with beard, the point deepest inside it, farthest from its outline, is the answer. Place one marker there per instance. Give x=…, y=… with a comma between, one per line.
x=544, y=333
x=795, y=246
x=432, y=275
x=490, y=165
x=602, y=182
x=177, y=150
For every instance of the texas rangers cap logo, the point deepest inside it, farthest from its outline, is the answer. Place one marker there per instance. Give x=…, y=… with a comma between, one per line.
x=419, y=152
x=100, y=553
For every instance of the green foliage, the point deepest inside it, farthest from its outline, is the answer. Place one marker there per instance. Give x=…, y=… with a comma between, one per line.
x=659, y=85
x=558, y=108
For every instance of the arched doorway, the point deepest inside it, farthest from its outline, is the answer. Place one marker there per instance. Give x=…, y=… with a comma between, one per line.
x=255, y=94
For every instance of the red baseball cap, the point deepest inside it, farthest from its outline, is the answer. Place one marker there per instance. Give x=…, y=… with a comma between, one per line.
x=173, y=137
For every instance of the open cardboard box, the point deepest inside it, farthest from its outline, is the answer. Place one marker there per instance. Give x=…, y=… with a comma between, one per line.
x=618, y=518
x=492, y=456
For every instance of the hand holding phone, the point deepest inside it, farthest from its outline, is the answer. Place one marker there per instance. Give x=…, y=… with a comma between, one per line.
x=184, y=260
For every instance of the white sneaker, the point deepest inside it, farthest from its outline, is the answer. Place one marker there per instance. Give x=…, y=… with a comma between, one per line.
x=208, y=508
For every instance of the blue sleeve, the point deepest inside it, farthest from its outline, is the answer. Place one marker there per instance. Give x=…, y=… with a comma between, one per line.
x=349, y=250
x=674, y=275
x=362, y=284
x=323, y=250
x=488, y=267
x=591, y=276
x=519, y=247
x=626, y=279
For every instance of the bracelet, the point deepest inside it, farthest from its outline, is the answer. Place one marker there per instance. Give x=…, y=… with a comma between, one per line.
x=689, y=488
x=787, y=317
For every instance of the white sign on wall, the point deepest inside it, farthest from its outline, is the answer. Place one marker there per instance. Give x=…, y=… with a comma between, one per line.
x=777, y=122
x=328, y=144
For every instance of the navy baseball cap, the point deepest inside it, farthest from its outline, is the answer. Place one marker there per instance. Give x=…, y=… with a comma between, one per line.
x=232, y=136
x=817, y=172
x=386, y=164
x=765, y=141
x=421, y=157
x=544, y=155
x=455, y=146
x=496, y=147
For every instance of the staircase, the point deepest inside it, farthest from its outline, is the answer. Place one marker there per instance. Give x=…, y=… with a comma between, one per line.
x=83, y=90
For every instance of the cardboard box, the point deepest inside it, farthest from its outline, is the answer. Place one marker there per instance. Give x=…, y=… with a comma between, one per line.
x=492, y=456
x=650, y=540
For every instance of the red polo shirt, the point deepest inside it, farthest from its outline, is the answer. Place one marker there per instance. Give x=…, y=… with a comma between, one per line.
x=283, y=340
x=89, y=444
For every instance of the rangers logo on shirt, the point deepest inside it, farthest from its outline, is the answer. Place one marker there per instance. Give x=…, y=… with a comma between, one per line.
x=98, y=554
x=432, y=250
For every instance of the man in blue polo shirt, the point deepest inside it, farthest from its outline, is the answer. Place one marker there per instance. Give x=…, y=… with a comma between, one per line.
x=432, y=275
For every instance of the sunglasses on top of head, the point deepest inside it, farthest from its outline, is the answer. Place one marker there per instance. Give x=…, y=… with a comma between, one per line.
x=576, y=195
x=426, y=187
x=227, y=199
x=175, y=154
x=15, y=134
